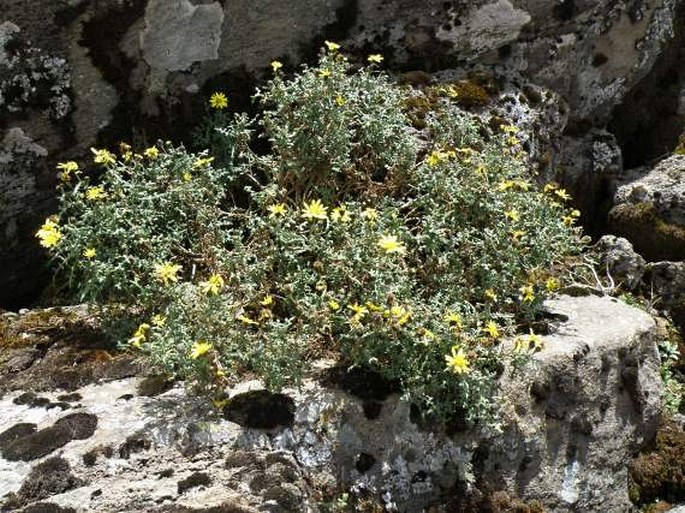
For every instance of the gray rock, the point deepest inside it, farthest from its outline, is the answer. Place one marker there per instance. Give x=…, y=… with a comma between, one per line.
x=621, y=261
x=663, y=186
x=666, y=280
x=571, y=423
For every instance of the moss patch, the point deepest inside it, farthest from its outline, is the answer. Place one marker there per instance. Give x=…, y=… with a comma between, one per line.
x=660, y=474
x=48, y=478
x=651, y=236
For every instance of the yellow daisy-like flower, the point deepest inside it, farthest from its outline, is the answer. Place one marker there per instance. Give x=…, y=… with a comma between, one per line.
x=332, y=47
x=340, y=101
x=453, y=319
x=550, y=187
x=218, y=101
x=103, y=157
x=375, y=58
x=246, y=320
x=89, y=253
x=276, y=65
x=325, y=73
x=139, y=336
x=509, y=129
x=390, y=244
x=512, y=215
x=334, y=305
x=267, y=301
x=202, y=162
x=158, y=320
x=370, y=214
x=151, y=153
x=49, y=234
x=315, y=210
x=198, y=349
x=340, y=214
x=535, y=341
x=516, y=235
x=551, y=284
x=457, y=361
x=359, y=310
x=167, y=272
x=213, y=285
x=527, y=293
x=277, y=209
x=512, y=141
x=492, y=330
x=434, y=158
x=95, y=193
x=562, y=194
x=401, y=314
x=490, y=295
x=186, y=176
x=67, y=168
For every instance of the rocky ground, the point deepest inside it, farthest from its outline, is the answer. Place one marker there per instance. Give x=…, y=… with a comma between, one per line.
x=104, y=437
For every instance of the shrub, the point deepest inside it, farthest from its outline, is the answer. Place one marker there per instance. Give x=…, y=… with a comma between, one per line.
x=354, y=235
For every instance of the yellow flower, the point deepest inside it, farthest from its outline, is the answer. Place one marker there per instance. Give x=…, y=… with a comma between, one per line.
x=340, y=101
x=373, y=307
x=552, y=186
x=435, y=158
x=276, y=65
x=517, y=234
x=401, y=314
x=457, y=361
x=125, y=150
x=562, y=194
x=139, y=336
x=325, y=73
x=268, y=300
x=218, y=101
x=186, y=177
x=95, y=193
x=332, y=47
x=198, y=349
x=375, y=58
x=334, y=305
x=89, y=253
x=246, y=320
x=512, y=141
x=158, y=320
x=551, y=284
x=535, y=342
x=512, y=215
x=340, y=214
x=359, y=311
x=49, y=234
x=213, y=285
x=103, y=157
x=575, y=213
x=277, y=209
x=390, y=244
x=492, y=330
x=167, y=272
x=510, y=129
x=370, y=214
x=490, y=295
x=151, y=153
x=453, y=319
x=527, y=293
x=314, y=210
x=202, y=162
x=67, y=169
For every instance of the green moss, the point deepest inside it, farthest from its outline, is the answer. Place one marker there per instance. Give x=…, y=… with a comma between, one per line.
x=652, y=237
x=660, y=474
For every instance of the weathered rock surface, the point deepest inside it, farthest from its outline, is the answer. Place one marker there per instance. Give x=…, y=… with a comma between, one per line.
x=572, y=422
x=621, y=261
x=70, y=78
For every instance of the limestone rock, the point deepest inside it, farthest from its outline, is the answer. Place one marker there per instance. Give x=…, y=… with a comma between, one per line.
x=571, y=423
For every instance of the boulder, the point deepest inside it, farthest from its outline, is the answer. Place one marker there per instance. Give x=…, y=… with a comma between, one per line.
x=650, y=210
x=571, y=421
